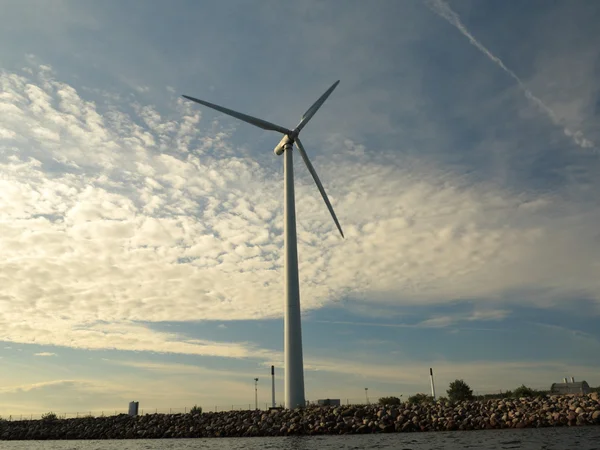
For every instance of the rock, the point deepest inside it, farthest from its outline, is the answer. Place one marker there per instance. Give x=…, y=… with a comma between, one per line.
x=549, y=411
x=389, y=428
x=360, y=413
x=348, y=412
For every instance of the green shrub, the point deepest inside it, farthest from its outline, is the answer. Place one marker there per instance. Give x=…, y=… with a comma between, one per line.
x=50, y=416
x=459, y=391
x=523, y=391
x=196, y=410
x=389, y=401
x=419, y=398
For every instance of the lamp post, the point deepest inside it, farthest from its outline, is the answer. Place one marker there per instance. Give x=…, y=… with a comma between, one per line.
x=256, y=393
x=432, y=385
x=367, y=395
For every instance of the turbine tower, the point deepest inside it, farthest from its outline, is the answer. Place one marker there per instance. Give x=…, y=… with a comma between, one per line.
x=294, y=366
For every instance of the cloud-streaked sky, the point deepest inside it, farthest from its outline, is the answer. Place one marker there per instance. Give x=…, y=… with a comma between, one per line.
x=141, y=234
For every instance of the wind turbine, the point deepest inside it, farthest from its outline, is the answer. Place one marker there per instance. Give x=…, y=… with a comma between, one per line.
x=294, y=366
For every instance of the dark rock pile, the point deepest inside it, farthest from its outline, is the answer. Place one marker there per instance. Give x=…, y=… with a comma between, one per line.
x=475, y=415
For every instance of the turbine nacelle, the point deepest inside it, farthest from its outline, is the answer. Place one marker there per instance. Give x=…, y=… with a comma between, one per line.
x=280, y=148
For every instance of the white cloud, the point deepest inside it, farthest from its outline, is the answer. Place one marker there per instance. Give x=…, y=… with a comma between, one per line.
x=45, y=354
x=476, y=316
x=106, y=223
x=180, y=369
x=125, y=336
x=35, y=386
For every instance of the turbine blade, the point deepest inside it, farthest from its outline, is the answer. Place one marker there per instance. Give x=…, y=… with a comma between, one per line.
x=312, y=171
x=314, y=108
x=246, y=118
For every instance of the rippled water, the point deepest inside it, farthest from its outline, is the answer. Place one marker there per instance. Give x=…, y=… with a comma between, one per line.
x=586, y=438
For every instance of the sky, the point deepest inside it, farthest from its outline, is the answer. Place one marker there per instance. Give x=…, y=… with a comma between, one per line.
x=141, y=234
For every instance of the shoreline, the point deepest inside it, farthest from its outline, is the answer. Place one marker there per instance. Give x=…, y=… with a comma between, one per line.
x=540, y=412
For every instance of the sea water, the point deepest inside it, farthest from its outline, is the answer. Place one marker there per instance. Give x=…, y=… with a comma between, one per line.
x=580, y=438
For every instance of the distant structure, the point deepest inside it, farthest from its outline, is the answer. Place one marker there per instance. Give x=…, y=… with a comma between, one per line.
x=272, y=386
x=329, y=402
x=572, y=388
x=134, y=408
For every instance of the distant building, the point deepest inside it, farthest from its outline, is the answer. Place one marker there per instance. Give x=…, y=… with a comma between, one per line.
x=573, y=388
x=329, y=402
x=134, y=408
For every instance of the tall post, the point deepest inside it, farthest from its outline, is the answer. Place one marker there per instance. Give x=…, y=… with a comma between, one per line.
x=273, y=386
x=432, y=385
x=256, y=393
x=294, y=366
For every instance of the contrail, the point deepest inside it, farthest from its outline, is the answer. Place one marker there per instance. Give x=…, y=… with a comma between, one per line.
x=443, y=10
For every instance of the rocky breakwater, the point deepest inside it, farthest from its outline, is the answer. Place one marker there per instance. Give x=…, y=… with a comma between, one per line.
x=474, y=415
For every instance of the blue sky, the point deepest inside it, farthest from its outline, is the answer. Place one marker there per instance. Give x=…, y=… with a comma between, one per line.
x=142, y=234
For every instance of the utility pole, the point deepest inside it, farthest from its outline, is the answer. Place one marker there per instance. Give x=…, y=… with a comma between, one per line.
x=256, y=393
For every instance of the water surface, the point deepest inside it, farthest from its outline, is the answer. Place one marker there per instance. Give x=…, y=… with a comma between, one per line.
x=581, y=438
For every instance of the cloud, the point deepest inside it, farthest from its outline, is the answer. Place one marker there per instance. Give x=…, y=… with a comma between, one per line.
x=128, y=337
x=170, y=390
x=437, y=321
x=45, y=354
x=111, y=220
x=55, y=384
x=67, y=396
x=442, y=9
x=180, y=369
x=453, y=319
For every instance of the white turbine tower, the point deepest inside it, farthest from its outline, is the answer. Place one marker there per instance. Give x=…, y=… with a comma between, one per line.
x=294, y=366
